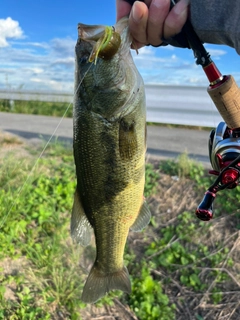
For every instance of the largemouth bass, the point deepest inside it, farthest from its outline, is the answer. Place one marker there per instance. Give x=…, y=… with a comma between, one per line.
x=109, y=150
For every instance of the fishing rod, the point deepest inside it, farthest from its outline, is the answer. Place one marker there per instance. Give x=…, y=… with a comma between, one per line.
x=224, y=141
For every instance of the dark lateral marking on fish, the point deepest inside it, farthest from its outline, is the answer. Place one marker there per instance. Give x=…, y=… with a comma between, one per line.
x=104, y=166
x=83, y=96
x=114, y=183
x=128, y=144
x=107, y=139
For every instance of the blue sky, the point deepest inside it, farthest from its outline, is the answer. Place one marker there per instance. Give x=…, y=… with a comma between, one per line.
x=37, y=40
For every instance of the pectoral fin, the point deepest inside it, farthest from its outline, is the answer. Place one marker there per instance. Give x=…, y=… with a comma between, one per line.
x=80, y=226
x=142, y=219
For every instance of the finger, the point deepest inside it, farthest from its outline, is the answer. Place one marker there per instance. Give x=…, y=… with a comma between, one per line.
x=138, y=22
x=158, y=12
x=148, y=2
x=123, y=9
x=176, y=19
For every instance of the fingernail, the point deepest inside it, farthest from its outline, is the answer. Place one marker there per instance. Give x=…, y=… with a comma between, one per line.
x=181, y=6
x=136, y=13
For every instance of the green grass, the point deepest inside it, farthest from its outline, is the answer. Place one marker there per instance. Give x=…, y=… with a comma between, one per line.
x=56, y=109
x=42, y=273
x=37, y=228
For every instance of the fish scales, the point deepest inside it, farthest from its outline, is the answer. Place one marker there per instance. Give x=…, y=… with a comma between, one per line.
x=109, y=152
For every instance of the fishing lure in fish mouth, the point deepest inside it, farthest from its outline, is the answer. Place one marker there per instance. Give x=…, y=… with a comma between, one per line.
x=107, y=44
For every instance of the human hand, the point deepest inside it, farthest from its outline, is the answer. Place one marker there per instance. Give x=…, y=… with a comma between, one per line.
x=151, y=20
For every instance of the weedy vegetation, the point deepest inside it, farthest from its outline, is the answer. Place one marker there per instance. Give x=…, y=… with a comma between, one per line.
x=55, y=109
x=181, y=268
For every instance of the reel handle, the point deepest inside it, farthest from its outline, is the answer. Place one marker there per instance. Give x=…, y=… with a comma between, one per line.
x=204, y=210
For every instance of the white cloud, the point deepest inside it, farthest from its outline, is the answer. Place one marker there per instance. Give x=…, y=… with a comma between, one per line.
x=146, y=51
x=65, y=61
x=38, y=66
x=9, y=29
x=217, y=52
x=52, y=84
x=63, y=47
x=169, y=68
x=35, y=70
x=49, y=65
x=43, y=45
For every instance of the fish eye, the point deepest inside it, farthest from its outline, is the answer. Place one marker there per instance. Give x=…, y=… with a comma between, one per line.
x=84, y=59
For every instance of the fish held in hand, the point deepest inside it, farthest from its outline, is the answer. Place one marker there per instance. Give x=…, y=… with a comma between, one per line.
x=109, y=150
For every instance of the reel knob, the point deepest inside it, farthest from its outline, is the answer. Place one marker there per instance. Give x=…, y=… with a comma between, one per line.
x=205, y=209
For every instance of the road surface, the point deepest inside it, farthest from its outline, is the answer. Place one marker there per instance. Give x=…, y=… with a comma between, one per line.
x=162, y=142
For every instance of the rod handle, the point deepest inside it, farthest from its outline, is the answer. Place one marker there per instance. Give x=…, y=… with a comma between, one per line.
x=226, y=97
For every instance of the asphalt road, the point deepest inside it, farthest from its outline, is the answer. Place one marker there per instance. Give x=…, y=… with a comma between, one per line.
x=162, y=142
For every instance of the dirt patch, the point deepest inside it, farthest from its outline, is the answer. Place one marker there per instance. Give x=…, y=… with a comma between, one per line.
x=10, y=267
x=10, y=143
x=116, y=312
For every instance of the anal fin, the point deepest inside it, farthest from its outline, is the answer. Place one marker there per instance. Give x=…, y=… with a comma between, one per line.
x=143, y=218
x=80, y=226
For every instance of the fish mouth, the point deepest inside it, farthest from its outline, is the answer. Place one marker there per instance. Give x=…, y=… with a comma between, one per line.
x=105, y=40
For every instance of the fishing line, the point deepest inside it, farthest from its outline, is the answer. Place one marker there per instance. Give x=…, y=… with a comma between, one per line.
x=44, y=149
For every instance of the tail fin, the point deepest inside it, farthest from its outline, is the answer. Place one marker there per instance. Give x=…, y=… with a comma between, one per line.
x=99, y=284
